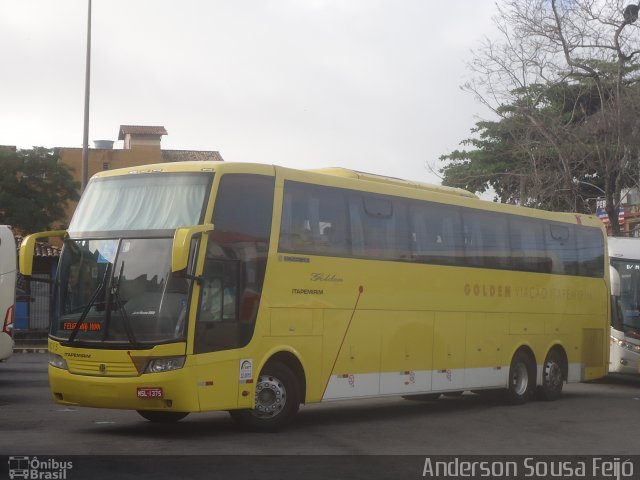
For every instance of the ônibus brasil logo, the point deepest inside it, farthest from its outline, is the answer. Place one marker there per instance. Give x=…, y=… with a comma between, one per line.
x=32, y=468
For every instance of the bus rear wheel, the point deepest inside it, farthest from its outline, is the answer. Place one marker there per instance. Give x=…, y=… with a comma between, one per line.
x=552, y=377
x=162, y=417
x=277, y=400
x=522, y=378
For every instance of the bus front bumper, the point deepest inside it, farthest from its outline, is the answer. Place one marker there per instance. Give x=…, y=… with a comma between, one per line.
x=168, y=391
x=623, y=360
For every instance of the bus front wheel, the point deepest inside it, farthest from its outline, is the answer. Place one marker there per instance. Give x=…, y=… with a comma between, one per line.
x=522, y=378
x=277, y=400
x=162, y=417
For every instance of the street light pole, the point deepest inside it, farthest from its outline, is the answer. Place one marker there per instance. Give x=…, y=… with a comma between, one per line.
x=87, y=82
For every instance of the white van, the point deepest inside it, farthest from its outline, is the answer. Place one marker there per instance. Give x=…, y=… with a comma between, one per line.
x=7, y=290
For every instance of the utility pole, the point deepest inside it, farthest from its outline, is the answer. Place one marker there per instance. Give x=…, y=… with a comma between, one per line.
x=87, y=82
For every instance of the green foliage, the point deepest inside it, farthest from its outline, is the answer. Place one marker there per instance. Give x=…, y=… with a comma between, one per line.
x=492, y=162
x=546, y=149
x=35, y=188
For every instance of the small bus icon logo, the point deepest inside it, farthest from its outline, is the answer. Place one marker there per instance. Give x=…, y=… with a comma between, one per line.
x=18, y=467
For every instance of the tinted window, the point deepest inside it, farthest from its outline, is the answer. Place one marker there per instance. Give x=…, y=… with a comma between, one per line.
x=590, y=252
x=436, y=234
x=528, y=251
x=486, y=239
x=244, y=206
x=561, y=245
x=235, y=262
x=314, y=220
x=332, y=221
x=379, y=227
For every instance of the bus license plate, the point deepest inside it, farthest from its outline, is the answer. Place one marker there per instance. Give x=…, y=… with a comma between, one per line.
x=149, y=392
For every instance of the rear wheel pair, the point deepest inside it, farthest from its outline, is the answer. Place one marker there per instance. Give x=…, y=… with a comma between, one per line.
x=522, y=377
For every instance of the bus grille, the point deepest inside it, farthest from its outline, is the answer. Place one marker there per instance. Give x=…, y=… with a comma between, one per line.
x=102, y=369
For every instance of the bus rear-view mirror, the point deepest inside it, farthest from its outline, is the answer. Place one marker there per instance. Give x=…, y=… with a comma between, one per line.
x=181, y=243
x=27, y=249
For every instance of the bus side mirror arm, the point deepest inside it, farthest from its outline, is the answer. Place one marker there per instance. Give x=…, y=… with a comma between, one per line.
x=196, y=278
x=182, y=241
x=27, y=249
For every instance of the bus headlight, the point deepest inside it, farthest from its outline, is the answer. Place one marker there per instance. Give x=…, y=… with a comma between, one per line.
x=632, y=347
x=159, y=365
x=57, y=361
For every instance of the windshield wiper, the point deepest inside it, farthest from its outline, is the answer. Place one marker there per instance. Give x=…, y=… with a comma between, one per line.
x=87, y=307
x=115, y=288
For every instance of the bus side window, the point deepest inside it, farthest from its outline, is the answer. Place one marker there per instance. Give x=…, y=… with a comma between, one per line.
x=357, y=229
x=435, y=234
x=591, y=252
x=560, y=240
x=487, y=239
x=313, y=220
x=383, y=226
x=528, y=252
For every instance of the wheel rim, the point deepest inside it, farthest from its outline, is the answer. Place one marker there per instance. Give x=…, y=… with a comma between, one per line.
x=552, y=374
x=270, y=396
x=520, y=379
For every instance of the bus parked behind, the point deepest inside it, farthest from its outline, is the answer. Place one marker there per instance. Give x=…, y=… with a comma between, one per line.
x=7, y=290
x=624, y=255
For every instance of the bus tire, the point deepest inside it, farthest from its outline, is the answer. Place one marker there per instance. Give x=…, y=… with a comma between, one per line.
x=162, y=417
x=277, y=400
x=423, y=397
x=552, y=377
x=522, y=378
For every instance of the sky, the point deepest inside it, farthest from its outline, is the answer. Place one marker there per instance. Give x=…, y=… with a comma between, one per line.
x=371, y=85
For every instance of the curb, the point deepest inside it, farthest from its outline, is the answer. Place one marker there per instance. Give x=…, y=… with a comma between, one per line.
x=30, y=349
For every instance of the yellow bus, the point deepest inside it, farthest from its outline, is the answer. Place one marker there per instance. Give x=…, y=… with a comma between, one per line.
x=191, y=287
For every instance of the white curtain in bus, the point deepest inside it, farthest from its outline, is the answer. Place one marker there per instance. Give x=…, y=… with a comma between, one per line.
x=116, y=205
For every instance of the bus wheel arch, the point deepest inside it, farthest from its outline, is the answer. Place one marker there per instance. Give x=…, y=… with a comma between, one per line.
x=293, y=363
x=555, y=371
x=522, y=376
x=279, y=392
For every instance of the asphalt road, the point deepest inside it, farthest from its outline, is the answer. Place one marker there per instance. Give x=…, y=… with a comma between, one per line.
x=595, y=418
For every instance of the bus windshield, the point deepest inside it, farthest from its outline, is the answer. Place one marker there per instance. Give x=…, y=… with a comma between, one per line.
x=119, y=291
x=141, y=202
x=629, y=272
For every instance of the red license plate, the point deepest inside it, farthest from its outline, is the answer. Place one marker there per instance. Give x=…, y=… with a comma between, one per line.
x=149, y=392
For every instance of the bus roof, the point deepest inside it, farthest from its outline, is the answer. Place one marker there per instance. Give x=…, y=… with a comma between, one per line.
x=334, y=171
x=371, y=177
x=455, y=195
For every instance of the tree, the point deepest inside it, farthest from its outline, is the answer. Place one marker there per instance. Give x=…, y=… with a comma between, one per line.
x=563, y=83
x=34, y=189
